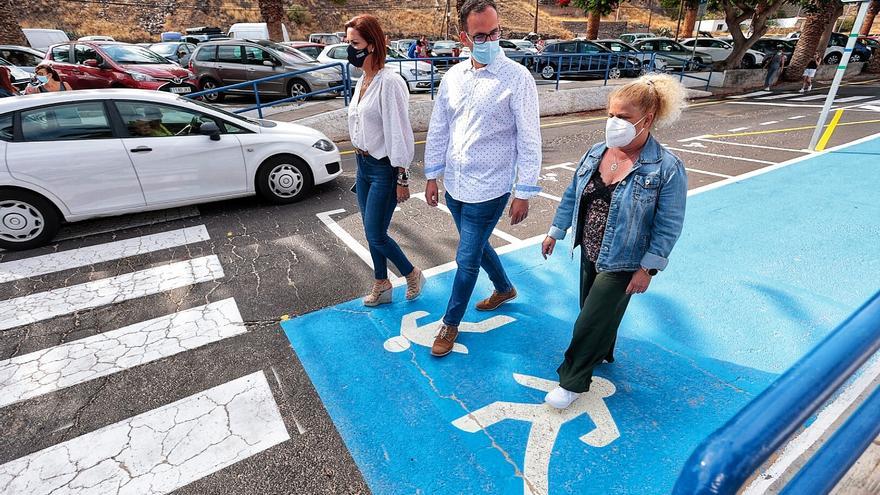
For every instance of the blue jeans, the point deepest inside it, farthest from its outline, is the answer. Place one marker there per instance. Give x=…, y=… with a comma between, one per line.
x=475, y=222
x=377, y=198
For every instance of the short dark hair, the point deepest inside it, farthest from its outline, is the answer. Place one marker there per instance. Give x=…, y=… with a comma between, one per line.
x=473, y=6
x=51, y=70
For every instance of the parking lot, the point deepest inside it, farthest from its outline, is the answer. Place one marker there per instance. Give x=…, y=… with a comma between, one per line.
x=195, y=296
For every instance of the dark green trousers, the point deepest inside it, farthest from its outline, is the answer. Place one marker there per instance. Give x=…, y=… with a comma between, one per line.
x=603, y=303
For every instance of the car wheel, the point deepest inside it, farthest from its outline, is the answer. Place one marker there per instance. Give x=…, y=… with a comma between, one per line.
x=855, y=57
x=749, y=62
x=284, y=179
x=614, y=73
x=209, y=84
x=548, y=72
x=27, y=220
x=832, y=59
x=298, y=87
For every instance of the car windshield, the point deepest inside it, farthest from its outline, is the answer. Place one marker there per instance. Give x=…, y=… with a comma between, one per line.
x=289, y=53
x=392, y=53
x=523, y=44
x=130, y=54
x=444, y=44
x=164, y=49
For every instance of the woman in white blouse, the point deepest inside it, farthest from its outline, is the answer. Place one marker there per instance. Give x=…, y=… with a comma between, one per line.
x=378, y=122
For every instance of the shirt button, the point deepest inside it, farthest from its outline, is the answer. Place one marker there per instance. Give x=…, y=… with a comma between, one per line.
x=623, y=183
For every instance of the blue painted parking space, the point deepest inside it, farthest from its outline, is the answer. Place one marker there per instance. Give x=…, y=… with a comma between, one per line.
x=765, y=268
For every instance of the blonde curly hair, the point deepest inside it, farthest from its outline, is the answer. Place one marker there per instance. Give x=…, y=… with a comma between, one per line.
x=660, y=94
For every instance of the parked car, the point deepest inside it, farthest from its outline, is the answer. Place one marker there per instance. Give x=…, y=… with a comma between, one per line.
x=514, y=52
x=310, y=49
x=584, y=58
x=870, y=42
x=96, y=38
x=26, y=59
x=223, y=63
x=624, y=48
x=631, y=37
x=721, y=49
x=417, y=74
x=20, y=77
x=768, y=46
x=525, y=45
x=673, y=53
x=42, y=39
x=325, y=38
x=254, y=31
x=445, y=48
x=403, y=45
x=836, y=44
x=146, y=151
x=176, y=52
x=95, y=64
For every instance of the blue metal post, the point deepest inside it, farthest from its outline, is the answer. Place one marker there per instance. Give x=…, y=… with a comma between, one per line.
x=257, y=99
x=607, y=69
x=558, y=71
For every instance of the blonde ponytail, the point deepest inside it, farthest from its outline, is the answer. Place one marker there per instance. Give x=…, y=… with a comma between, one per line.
x=660, y=94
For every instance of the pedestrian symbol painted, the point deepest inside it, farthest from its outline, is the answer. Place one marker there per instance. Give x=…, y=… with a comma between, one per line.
x=412, y=333
x=546, y=423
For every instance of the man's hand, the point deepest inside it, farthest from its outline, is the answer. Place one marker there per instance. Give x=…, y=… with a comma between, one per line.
x=402, y=194
x=548, y=246
x=519, y=210
x=639, y=282
x=432, y=196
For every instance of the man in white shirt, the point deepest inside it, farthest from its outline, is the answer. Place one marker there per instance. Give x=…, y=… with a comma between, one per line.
x=485, y=139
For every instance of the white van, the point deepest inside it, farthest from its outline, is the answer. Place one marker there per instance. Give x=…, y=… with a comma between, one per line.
x=254, y=31
x=41, y=39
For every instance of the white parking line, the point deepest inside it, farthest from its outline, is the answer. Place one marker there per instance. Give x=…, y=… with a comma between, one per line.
x=810, y=98
x=761, y=146
x=496, y=232
x=851, y=98
x=44, y=305
x=550, y=196
x=769, y=123
x=695, y=138
x=704, y=172
x=85, y=256
x=873, y=108
x=38, y=373
x=565, y=165
x=737, y=129
x=723, y=156
x=352, y=243
x=773, y=104
x=158, y=451
x=796, y=117
x=777, y=97
x=750, y=95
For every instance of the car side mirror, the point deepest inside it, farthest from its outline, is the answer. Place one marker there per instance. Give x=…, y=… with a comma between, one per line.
x=268, y=63
x=91, y=63
x=211, y=130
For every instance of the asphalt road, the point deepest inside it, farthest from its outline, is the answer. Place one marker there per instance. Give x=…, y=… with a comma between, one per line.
x=277, y=262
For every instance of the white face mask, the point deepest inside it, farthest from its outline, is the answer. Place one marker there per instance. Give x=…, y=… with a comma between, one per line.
x=620, y=132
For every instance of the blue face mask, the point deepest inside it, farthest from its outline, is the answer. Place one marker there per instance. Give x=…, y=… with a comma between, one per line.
x=485, y=53
x=43, y=79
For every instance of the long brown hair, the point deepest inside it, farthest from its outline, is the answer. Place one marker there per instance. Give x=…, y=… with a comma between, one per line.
x=6, y=80
x=370, y=29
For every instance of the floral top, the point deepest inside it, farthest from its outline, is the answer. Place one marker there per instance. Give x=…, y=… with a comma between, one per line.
x=595, y=204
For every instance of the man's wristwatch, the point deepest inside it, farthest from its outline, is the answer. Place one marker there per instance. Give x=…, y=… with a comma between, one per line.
x=650, y=271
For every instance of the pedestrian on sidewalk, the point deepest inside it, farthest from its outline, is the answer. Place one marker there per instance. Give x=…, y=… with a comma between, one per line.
x=378, y=123
x=810, y=73
x=625, y=206
x=413, y=50
x=485, y=140
x=775, y=63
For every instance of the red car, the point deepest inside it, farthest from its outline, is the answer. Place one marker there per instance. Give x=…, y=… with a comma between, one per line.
x=95, y=65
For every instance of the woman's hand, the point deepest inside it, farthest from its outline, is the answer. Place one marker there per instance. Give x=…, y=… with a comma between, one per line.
x=402, y=194
x=548, y=246
x=639, y=282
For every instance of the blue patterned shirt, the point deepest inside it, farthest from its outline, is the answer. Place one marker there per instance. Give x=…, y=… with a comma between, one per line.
x=485, y=132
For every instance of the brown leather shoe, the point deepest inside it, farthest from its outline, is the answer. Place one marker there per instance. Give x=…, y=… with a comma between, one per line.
x=496, y=299
x=444, y=341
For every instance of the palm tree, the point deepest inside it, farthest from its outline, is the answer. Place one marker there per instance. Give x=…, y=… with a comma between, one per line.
x=10, y=29
x=819, y=15
x=274, y=14
x=873, y=10
x=691, y=8
x=595, y=9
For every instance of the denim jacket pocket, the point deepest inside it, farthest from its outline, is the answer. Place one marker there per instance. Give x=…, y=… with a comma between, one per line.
x=646, y=187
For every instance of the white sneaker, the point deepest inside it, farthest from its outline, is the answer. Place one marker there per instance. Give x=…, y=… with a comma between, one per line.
x=560, y=398
x=767, y=88
x=801, y=90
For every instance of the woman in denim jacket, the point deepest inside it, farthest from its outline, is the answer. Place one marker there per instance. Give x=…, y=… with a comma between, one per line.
x=626, y=206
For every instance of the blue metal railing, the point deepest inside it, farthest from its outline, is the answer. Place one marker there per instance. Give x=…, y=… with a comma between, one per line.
x=728, y=457
x=342, y=88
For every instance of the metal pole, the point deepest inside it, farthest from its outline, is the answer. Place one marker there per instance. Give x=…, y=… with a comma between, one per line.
x=841, y=69
x=535, y=30
x=447, y=19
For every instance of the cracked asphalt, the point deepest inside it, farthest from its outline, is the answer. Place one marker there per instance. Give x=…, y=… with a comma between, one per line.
x=279, y=262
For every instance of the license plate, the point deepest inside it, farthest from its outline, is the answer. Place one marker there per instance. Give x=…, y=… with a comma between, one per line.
x=180, y=89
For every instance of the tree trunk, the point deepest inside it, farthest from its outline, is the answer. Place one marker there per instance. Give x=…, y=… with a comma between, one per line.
x=734, y=16
x=690, y=18
x=458, y=5
x=873, y=10
x=10, y=29
x=273, y=14
x=873, y=66
x=810, y=42
x=593, y=25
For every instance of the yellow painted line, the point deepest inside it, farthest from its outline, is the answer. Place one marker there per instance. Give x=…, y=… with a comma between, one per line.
x=790, y=129
x=829, y=130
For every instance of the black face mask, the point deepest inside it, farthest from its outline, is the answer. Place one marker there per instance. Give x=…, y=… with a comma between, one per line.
x=356, y=57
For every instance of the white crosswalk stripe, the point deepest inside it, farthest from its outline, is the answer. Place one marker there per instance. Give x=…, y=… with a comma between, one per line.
x=158, y=451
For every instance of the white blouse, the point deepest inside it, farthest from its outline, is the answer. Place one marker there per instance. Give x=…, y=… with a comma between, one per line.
x=379, y=124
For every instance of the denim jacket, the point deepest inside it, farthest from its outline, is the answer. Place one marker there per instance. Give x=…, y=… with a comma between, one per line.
x=646, y=211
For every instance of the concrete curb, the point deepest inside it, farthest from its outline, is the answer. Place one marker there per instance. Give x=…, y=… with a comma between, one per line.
x=334, y=124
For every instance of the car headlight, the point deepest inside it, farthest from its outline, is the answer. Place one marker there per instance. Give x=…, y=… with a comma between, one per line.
x=324, y=145
x=140, y=76
x=420, y=72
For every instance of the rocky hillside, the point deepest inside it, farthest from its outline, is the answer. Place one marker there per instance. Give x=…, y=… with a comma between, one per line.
x=143, y=20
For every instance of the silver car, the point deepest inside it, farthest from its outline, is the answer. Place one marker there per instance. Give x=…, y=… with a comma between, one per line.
x=419, y=76
x=224, y=63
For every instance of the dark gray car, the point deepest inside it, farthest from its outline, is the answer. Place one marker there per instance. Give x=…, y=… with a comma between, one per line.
x=223, y=63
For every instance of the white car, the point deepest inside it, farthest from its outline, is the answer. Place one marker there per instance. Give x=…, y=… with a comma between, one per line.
x=418, y=75
x=720, y=50
x=70, y=156
x=96, y=38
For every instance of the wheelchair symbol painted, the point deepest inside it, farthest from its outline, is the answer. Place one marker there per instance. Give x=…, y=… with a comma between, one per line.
x=412, y=333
